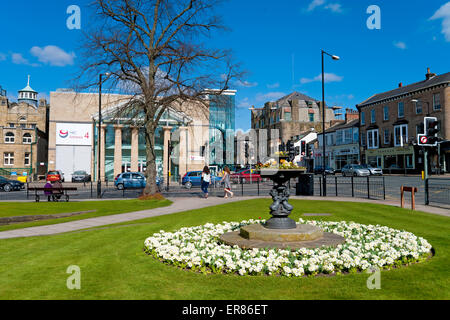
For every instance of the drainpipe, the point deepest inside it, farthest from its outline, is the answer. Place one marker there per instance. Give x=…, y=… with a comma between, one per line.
x=31, y=152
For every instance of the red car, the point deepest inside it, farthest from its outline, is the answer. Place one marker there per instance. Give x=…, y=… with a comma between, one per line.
x=55, y=175
x=245, y=176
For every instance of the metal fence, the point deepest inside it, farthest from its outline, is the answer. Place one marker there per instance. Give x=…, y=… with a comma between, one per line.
x=438, y=191
x=355, y=187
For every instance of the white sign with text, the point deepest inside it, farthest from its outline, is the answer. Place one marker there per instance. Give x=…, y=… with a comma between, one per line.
x=74, y=134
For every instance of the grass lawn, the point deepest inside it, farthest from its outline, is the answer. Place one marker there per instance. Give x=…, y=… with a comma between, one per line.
x=113, y=265
x=103, y=208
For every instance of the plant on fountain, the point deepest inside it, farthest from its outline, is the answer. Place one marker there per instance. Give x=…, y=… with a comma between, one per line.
x=283, y=165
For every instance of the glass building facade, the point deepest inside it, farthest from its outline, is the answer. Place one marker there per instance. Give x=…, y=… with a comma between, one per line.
x=222, y=127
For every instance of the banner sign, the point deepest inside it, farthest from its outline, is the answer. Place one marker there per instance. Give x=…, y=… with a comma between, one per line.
x=74, y=134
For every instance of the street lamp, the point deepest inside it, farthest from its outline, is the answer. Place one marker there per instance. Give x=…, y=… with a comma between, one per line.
x=323, y=118
x=99, y=183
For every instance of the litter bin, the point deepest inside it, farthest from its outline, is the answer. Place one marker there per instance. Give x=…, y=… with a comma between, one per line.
x=305, y=185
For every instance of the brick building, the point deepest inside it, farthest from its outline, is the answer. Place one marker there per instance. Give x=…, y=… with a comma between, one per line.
x=23, y=134
x=391, y=121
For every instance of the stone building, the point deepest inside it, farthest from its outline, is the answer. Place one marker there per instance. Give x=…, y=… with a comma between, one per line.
x=191, y=128
x=292, y=115
x=23, y=134
x=391, y=121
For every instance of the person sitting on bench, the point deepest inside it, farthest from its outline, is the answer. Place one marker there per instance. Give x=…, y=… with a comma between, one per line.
x=48, y=193
x=57, y=190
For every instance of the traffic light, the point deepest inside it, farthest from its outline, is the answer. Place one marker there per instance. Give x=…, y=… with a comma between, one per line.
x=246, y=150
x=429, y=138
x=297, y=151
x=303, y=149
x=431, y=130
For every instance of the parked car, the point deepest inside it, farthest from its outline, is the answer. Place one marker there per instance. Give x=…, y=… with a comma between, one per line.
x=328, y=170
x=373, y=171
x=355, y=170
x=194, y=179
x=81, y=176
x=245, y=176
x=8, y=185
x=55, y=175
x=133, y=180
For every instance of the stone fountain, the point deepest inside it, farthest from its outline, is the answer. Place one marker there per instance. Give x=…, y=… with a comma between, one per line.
x=281, y=231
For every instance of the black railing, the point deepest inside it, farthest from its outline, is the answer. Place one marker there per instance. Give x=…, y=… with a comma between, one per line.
x=438, y=190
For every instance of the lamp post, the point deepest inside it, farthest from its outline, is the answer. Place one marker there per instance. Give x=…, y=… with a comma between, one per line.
x=99, y=137
x=323, y=119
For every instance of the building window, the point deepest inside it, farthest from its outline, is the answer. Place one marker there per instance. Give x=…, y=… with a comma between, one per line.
x=372, y=139
x=26, y=138
x=287, y=116
x=363, y=118
x=436, y=101
x=11, y=125
x=9, y=137
x=401, y=135
x=8, y=158
x=33, y=126
x=27, y=159
x=311, y=117
x=339, y=137
x=420, y=129
x=372, y=116
x=386, y=113
x=419, y=108
x=386, y=136
x=401, y=109
x=363, y=139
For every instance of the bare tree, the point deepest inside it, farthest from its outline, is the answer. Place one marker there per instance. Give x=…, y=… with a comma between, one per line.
x=155, y=52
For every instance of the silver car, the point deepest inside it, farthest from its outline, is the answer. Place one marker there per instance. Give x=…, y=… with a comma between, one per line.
x=373, y=171
x=355, y=170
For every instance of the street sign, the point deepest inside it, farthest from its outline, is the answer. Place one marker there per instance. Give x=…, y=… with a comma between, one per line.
x=423, y=140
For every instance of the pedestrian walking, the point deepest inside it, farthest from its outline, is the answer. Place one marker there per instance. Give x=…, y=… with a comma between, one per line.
x=227, y=182
x=206, y=180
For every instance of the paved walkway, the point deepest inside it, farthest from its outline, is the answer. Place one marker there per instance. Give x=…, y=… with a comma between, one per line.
x=179, y=205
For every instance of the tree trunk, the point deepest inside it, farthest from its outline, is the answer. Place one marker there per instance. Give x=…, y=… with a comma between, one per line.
x=151, y=187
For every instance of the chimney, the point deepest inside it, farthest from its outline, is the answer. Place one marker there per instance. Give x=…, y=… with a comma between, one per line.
x=400, y=84
x=429, y=75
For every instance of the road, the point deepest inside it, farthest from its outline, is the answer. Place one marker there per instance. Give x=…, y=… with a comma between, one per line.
x=439, y=189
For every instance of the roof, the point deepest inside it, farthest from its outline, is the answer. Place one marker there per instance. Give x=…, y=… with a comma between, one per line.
x=294, y=96
x=434, y=81
x=350, y=124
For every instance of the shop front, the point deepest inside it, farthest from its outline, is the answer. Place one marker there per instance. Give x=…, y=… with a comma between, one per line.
x=393, y=159
x=344, y=155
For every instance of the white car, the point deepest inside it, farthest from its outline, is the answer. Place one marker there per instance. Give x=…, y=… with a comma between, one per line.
x=355, y=170
x=373, y=171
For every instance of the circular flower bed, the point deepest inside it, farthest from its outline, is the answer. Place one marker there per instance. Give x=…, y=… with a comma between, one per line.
x=367, y=246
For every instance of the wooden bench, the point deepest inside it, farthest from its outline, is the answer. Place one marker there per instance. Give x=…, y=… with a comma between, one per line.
x=413, y=191
x=54, y=193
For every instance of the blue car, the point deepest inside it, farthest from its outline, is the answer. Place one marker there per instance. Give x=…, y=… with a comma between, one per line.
x=133, y=180
x=194, y=179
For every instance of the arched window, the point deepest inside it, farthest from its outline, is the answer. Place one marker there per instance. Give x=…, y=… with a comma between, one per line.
x=26, y=138
x=9, y=137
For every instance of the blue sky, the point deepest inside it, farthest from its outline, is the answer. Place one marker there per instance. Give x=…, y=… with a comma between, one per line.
x=278, y=43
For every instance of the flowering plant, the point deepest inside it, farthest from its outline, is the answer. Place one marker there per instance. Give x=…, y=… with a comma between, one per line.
x=199, y=249
x=285, y=165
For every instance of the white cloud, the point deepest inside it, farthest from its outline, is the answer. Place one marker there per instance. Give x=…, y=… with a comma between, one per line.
x=315, y=4
x=400, y=45
x=53, y=55
x=270, y=96
x=246, y=84
x=334, y=7
x=273, y=85
x=329, y=77
x=444, y=14
x=244, y=103
x=17, y=58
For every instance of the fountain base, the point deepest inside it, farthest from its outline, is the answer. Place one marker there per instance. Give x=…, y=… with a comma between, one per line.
x=303, y=236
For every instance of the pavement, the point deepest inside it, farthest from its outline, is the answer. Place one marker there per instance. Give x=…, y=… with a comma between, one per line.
x=179, y=205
